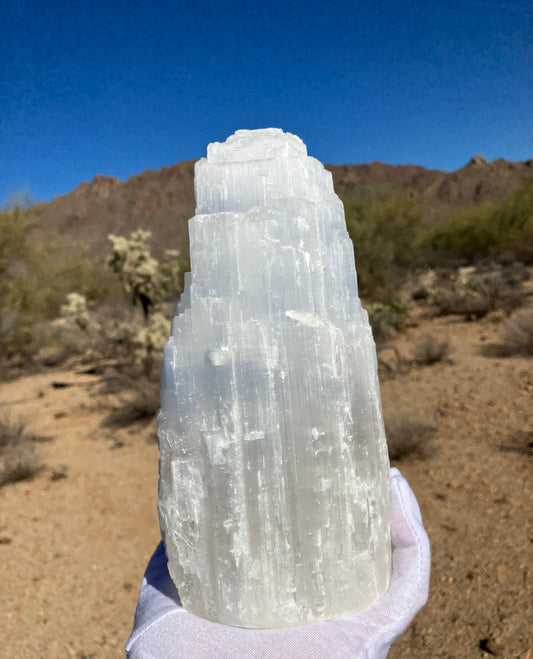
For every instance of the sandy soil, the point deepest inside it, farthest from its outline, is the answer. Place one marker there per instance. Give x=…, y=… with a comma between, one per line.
x=73, y=549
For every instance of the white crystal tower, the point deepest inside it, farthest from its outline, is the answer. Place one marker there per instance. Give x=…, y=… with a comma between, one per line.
x=274, y=502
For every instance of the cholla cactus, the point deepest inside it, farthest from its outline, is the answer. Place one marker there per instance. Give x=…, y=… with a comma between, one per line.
x=150, y=341
x=76, y=309
x=171, y=270
x=138, y=270
x=144, y=278
x=149, y=282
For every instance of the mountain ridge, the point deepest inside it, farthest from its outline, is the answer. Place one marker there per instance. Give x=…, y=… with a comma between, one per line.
x=163, y=200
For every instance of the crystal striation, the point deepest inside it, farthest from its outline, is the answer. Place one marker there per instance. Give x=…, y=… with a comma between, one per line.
x=273, y=491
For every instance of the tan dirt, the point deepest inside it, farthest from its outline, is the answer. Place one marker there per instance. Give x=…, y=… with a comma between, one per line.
x=73, y=550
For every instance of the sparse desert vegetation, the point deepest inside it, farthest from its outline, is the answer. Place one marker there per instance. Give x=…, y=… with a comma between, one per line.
x=518, y=333
x=491, y=229
x=19, y=458
x=137, y=399
x=431, y=350
x=408, y=435
x=449, y=296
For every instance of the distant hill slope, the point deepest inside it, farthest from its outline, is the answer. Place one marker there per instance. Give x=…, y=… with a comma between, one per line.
x=439, y=192
x=163, y=200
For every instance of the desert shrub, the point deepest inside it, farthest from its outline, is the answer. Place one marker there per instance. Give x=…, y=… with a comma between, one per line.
x=59, y=472
x=430, y=350
x=21, y=199
x=133, y=342
x=35, y=278
x=407, y=434
x=53, y=270
x=138, y=399
x=18, y=458
x=514, y=219
x=15, y=227
x=59, y=341
x=474, y=292
x=468, y=233
x=119, y=338
x=518, y=333
x=65, y=269
x=471, y=305
x=75, y=309
x=385, y=228
x=491, y=229
x=519, y=442
x=386, y=318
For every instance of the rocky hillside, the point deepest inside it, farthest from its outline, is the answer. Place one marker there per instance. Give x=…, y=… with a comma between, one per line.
x=163, y=200
x=439, y=192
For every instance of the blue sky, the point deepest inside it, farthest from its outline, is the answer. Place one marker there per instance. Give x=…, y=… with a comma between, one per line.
x=112, y=87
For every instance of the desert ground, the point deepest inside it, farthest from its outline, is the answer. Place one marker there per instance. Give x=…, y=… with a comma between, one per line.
x=75, y=540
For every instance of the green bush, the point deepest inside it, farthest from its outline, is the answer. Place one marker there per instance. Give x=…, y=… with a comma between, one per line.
x=65, y=269
x=468, y=233
x=15, y=279
x=514, y=219
x=35, y=279
x=386, y=318
x=491, y=229
x=386, y=229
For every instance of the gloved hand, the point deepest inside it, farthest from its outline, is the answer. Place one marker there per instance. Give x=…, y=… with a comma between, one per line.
x=164, y=630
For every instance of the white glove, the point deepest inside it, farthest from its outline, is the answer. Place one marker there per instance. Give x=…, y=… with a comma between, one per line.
x=164, y=630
